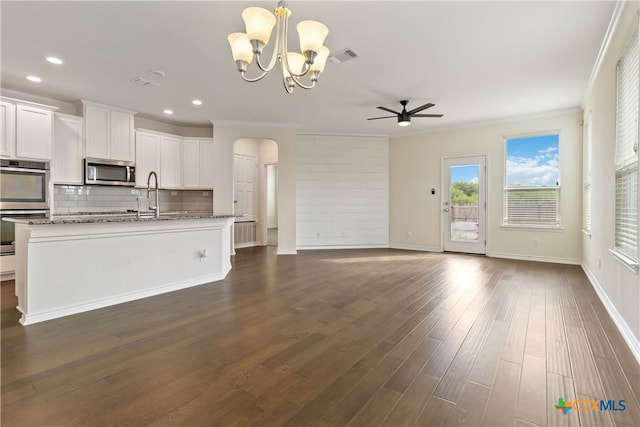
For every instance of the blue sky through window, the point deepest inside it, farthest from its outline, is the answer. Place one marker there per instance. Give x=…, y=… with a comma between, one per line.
x=532, y=161
x=464, y=173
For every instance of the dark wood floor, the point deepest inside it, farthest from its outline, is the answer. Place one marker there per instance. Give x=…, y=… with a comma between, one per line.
x=330, y=338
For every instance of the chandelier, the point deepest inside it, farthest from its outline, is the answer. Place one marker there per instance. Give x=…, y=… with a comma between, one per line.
x=259, y=24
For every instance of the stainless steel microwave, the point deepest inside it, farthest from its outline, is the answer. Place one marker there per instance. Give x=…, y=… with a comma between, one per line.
x=109, y=172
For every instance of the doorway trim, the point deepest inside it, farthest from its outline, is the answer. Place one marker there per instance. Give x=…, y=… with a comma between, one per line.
x=264, y=228
x=446, y=244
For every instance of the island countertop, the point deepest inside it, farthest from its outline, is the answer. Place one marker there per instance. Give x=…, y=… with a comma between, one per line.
x=98, y=217
x=74, y=263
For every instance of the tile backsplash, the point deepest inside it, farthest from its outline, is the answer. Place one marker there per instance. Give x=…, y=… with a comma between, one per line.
x=73, y=199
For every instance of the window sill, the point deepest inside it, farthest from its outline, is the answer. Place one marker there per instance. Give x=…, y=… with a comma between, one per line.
x=525, y=227
x=631, y=264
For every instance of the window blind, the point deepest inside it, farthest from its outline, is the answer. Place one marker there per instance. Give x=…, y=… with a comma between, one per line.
x=586, y=179
x=626, y=154
x=531, y=206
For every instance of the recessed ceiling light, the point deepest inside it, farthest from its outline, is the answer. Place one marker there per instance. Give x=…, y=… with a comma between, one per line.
x=54, y=60
x=196, y=102
x=167, y=111
x=34, y=79
x=157, y=73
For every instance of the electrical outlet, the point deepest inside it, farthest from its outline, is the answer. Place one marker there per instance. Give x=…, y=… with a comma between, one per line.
x=535, y=242
x=409, y=234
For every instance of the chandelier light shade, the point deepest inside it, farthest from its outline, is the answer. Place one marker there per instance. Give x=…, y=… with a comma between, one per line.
x=241, y=47
x=259, y=25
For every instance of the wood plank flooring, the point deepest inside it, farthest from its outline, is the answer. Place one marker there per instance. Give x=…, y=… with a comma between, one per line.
x=330, y=338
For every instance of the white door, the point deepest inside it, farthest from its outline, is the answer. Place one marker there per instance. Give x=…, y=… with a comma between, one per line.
x=464, y=204
x=244, y=187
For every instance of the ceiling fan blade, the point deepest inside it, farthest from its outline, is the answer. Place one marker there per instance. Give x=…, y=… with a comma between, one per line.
x=423, y=107
x=385, y=117
x=427, y=115
x=389, y=110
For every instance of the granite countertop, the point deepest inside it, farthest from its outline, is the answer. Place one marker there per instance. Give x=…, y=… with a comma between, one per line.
x=102, y=217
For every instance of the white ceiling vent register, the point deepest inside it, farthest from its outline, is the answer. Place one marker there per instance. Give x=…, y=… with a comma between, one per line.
x=343, y=55
x=141, y=81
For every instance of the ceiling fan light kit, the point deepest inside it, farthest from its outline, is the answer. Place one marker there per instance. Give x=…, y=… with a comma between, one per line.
x=404, y=116
x=259, y=24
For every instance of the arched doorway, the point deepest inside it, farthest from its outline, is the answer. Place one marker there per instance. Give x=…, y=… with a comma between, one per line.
x=254, y=193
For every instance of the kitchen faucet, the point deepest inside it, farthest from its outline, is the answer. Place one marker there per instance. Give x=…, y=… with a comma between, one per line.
x=155, y=208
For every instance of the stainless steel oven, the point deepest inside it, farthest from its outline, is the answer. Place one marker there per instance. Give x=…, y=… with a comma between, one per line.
x=8, y=231
x=24, y=185
x=24, y=194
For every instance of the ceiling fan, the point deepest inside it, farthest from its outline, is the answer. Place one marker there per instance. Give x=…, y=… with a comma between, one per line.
x=404, y=117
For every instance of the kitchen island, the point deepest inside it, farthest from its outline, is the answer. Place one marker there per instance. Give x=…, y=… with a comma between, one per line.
x=71, y=264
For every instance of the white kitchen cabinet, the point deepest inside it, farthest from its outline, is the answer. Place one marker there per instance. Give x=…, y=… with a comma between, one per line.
x=197, y=163
x=34, y=132
x=7, y=129
x=108, y=132
x=26, y=129
x=67, y=162
x=147, y=156
x=170, y=161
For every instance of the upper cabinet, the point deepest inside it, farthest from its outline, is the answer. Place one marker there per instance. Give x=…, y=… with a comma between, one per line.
x=197, y=163
x=170, y=162
x=147, y=156
x=67, y=165
x=27, y=130
x=108, y=132
x=7, y=129
x=162, y=153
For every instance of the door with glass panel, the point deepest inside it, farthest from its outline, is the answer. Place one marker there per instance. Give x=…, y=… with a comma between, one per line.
x=464, y=204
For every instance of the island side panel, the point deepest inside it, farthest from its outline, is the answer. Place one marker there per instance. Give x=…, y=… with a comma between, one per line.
x=73, y=268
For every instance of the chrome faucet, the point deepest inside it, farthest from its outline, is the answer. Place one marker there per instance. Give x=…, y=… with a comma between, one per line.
x=155, y=208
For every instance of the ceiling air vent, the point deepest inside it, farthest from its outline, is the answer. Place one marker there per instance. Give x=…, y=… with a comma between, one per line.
x=141, y=81
x=343, y=55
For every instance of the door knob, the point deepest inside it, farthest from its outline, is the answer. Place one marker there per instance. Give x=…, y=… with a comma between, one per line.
x=445, y=210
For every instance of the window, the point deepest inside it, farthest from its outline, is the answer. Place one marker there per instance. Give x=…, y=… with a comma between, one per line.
x=586, y=179
x=532, y=181
x=626, y=158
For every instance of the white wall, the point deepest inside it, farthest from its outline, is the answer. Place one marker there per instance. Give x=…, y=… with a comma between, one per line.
x=342, y=191
x=415, y=164
x=272, y=196
x=618, y=286
x=224, y=136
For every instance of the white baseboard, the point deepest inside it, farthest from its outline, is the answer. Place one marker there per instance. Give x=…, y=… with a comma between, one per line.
x=31, y=318
x=287, y=252
x=246, y=245
x=8, y=276
x=313, y=248
x=632, y=341
x=414, y=248
x=537, y=258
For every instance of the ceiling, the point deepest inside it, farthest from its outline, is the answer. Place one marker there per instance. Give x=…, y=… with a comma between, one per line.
x=477, y=61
